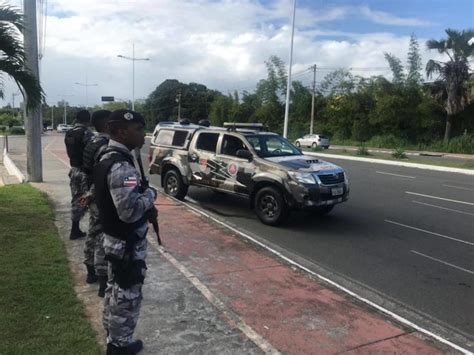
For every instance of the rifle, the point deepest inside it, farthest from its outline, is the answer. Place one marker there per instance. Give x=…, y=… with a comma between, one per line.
x=145, y=184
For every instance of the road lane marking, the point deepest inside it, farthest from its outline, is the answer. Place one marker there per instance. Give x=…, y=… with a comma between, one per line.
x=443, y=208
x=428, y=232
x=321, y=277
x=458, y=187
x=440, y=198
x=398, y=175
x=234, y=319
x=443, y=262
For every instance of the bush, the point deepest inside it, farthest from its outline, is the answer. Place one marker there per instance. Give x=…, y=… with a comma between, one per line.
x=16, y=130
x=317, y=149
x=462, y=144
x=399, y=153
x=361, y=131
x=3, y=128
x=362, y=150
x=386, y=141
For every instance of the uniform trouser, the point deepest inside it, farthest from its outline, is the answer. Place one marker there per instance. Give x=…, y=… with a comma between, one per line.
x=121, y=311
x=100, y=264
x=94, y=248
x=78, y=184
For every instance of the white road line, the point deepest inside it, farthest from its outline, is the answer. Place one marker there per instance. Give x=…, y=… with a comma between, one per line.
x=428, y=232
x=403, y=176
x=443, y=262
x=458, y=187
x=443, y=208
x=235, y=320
x=440, y=198
x=329, y=281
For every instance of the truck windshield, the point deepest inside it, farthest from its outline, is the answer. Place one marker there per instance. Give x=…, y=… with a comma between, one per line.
x=268, y=146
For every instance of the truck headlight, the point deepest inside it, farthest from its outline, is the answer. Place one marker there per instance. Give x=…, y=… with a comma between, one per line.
x=303, y=178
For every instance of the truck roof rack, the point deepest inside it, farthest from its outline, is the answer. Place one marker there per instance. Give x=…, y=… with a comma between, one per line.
x=233, y=126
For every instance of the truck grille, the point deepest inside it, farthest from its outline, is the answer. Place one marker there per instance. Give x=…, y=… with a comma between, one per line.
x=330, y=179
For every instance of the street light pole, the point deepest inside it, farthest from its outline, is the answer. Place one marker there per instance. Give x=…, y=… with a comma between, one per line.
x=133, y=59
x=288, y=85
x=86, y=85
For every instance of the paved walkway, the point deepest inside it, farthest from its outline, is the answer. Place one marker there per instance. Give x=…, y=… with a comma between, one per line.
x=208, y=291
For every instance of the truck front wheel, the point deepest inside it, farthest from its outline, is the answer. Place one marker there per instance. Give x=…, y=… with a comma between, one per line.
x=174, y=185
x=270, y=206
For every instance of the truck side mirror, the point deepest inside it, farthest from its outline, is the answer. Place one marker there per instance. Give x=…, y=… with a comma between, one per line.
x=245, y=154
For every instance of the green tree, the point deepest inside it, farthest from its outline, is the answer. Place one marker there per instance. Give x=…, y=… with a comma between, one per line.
x=300, y=110
x=270, y=92
x=12, y=57
x=414, y=64
x=222, y=110
x=454, y=73
x=338, y=82
x=396, y=67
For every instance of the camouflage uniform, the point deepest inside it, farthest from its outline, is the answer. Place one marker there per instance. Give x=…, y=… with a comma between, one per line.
x=79, y=187
x=94, y=250
x=122, y=305
x=79, y=184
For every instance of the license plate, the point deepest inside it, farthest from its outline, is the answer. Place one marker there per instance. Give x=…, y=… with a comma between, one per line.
x=337, y=191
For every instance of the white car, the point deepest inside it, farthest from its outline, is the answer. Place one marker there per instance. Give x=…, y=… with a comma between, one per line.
x=313, y=141
x=62, y=128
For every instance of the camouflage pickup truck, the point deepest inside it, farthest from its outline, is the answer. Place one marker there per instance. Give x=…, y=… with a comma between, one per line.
x=244, y=160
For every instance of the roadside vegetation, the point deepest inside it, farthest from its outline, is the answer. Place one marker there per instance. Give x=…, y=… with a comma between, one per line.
x=40, y=313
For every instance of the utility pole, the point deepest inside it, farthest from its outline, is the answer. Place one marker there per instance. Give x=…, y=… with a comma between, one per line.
x=178, y=100
x=64, y=104
x=133, y=59
x=288, y=85
x=312, y=103
x=34, y=163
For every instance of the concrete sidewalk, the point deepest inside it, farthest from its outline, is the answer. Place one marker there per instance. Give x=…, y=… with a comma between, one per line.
x=208, y=291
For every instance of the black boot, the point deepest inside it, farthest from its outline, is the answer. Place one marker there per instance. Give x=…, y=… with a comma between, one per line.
x=76, y=232
x=102, y=286
x=131, y=349
x=91, y=276
x=135, y=347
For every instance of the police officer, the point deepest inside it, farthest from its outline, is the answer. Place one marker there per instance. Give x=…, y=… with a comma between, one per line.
x=94, y=257
x=75, y=140
x=124, y=207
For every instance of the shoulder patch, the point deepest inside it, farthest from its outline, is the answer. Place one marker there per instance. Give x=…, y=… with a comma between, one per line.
x=130, y=181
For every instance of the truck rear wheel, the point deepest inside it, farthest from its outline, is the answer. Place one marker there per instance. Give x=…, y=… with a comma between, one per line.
x=174, y=185
x=270, y=206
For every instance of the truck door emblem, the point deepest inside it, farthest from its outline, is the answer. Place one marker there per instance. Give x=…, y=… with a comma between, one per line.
x=232, y=169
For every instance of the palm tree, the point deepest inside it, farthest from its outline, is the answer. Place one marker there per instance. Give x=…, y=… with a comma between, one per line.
x=453, y=74
x=12, y=57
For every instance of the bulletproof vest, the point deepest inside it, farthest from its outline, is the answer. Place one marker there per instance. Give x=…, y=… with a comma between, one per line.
x=111, y=223
x=92, y=152
x=74, y=141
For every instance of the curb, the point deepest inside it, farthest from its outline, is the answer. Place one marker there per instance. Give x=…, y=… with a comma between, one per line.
x=396, y=163
x=12, y=168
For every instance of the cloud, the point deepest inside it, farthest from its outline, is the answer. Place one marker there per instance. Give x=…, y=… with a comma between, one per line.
x=389, y=19
x=222, y=44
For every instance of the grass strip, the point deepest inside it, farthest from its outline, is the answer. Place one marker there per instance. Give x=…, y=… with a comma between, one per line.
x=39, y=311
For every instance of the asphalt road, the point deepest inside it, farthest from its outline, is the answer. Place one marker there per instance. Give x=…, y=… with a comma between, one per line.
x=405, y=240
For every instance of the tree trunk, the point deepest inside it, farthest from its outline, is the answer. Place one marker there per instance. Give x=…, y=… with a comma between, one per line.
x=447, y=132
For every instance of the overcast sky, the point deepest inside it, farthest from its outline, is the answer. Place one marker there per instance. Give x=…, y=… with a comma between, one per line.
x=224, y=43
